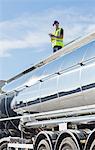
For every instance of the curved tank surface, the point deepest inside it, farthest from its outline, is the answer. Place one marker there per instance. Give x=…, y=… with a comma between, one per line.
x=5, y=108
x=8, y=127
x=68, y=81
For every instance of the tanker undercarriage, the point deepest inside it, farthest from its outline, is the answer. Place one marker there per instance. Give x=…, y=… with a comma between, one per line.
x=68, y=129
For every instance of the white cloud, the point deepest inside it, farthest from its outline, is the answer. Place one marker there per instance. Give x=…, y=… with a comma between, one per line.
x=32, y=31
x=31, y=40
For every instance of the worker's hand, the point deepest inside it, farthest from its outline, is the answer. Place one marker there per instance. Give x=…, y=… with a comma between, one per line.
x=51, y=35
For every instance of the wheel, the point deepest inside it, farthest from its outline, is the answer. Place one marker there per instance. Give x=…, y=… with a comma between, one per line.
x=4, y=146
x=68, y=144
x=92, y=145
x=43, y=145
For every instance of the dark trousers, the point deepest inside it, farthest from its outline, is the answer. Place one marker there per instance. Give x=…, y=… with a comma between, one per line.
x=56, y=48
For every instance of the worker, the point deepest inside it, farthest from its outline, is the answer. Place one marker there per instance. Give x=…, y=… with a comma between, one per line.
x=57, y=37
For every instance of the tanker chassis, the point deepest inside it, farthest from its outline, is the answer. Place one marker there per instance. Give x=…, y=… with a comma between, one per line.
x=51, y=105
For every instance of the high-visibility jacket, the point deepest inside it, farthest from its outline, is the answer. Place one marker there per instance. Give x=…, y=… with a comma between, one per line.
x=57, y=41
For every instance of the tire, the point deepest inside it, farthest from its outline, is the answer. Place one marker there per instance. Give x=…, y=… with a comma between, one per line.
x=92, y=145
x=43, y=145
x=3, y=146
x=68, y=144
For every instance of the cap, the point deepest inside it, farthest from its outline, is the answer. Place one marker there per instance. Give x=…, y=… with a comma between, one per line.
x=55, y=22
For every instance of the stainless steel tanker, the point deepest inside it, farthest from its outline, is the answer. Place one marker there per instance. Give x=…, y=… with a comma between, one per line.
x=68, y=81
x=64, y=81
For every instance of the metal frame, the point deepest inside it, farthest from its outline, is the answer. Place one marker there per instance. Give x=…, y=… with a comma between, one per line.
x=17, y=145
x=83, y=113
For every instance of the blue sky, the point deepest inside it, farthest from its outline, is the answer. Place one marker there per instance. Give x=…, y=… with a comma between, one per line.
x=25, y=24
